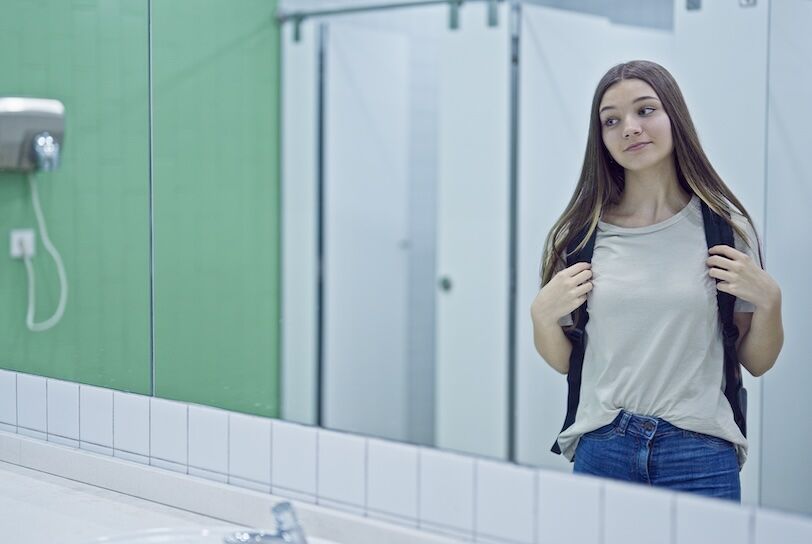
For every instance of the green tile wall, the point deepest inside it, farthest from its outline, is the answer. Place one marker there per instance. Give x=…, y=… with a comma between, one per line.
x=92, y=55
x=215, y=93
x=215, y=202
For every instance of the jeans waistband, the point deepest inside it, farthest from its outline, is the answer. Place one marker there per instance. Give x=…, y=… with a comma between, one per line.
x=646, y=426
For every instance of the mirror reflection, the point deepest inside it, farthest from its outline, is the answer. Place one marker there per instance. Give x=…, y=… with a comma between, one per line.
x=428, y=153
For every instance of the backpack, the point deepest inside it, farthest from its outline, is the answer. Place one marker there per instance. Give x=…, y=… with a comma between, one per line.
x=717, y=232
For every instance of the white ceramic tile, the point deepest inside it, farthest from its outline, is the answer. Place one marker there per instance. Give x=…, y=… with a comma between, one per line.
x=208, y=474
x=39, y=435
x=505, y=502
x=392, y=478
x=389, y=518
x=293, y=495
x=8, y=397
x=446, y=490
x=249, y=484
x=293, y=457
x=96, y=415
x=569, y=508
x=168, y=465
x=636, y=514
x=102, y=450
x=131, y=424
x=56, y=439
x=456, y=534
x=208, y=439
x=341, y=468
x=31, y=403
x=168, y=430
x=344, y=507
x=136, y=458
x=63, y=409
x=249, y=453
x=779, y=527
x=702, y=520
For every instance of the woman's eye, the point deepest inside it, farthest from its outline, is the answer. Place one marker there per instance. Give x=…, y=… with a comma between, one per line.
x=608, y=124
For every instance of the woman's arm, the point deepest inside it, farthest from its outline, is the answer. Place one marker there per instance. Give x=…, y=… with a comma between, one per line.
x=552, y=344
x=762, y=341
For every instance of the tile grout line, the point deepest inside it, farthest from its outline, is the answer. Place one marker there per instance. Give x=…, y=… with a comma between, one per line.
x=673, y=527
x=270, y=456
x=318, y=442
x=188, y=440
x=419, y=472
x=474, y=482
x=366, y=477
x=602, y=514
x=79, y=414
x=46, y=409
x=536, y=505
x=16, y=403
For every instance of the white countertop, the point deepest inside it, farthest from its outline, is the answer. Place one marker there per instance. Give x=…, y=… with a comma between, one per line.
x=39, y=507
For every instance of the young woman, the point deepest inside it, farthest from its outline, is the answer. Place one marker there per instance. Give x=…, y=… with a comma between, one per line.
x=652, y=407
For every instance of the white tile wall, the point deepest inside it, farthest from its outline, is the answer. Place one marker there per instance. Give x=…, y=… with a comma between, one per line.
x=8, y=397
x=63, y=409
x=208, y=440
x=441, y=492
x=569, y=508
x=701, y=520
x=31, y=403
x=168, y=431
x=778, y=527
x=293, y=459
x=131, y=424
x=249, y=453
x=342, y=464
x=96, y=416
x=635, y=514
x=392, y=479
x=446, y=492
x=498, y=517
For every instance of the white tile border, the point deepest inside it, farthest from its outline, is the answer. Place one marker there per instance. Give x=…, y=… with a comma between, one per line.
x=118, y=470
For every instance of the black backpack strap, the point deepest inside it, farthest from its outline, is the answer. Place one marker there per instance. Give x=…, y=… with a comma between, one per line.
x=576, y=333
x=717, y=232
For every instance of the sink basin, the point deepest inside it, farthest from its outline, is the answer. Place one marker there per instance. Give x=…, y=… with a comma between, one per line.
x=211, y=535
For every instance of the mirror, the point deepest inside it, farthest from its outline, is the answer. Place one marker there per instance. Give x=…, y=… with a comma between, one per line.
x=422, y=168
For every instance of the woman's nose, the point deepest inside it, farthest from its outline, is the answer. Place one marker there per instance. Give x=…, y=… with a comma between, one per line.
x=629, y=130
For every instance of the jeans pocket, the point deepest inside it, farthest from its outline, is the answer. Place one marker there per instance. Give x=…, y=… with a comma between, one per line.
x=713, y=441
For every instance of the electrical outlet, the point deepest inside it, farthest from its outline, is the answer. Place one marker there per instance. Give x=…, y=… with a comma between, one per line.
x=23, y=243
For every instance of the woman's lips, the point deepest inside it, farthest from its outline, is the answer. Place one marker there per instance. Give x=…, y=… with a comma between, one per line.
x=638, y=146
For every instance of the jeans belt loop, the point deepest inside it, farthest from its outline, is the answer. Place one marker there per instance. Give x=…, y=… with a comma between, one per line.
x=624, y=422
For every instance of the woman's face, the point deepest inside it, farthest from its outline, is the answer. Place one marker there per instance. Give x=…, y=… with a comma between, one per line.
x=631, y=113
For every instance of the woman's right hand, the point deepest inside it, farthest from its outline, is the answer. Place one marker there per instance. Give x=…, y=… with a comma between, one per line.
x=565, y=292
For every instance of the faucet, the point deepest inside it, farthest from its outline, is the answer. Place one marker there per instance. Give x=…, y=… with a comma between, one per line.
x=288, y=529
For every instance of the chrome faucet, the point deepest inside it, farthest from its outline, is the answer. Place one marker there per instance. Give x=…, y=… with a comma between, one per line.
x=287, y=529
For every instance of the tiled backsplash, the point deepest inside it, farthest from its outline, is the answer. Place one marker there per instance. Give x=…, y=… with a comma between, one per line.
x=441, y=492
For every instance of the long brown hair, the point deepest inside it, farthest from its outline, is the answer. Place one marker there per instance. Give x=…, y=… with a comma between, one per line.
x=602, y=180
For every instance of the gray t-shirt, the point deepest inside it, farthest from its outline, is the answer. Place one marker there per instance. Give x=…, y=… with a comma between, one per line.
x=654, y=341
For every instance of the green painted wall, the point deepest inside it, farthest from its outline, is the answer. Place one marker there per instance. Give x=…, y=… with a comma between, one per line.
x=215, y=201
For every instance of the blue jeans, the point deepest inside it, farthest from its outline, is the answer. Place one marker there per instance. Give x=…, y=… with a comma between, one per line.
x=651, y=451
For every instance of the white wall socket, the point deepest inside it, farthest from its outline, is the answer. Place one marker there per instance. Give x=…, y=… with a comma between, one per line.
x=23, y=243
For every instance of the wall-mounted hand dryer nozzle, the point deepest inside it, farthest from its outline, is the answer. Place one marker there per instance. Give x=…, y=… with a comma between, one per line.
x=31, y=133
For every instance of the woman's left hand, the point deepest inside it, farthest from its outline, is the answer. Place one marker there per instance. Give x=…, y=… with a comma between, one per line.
x=742, y=277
